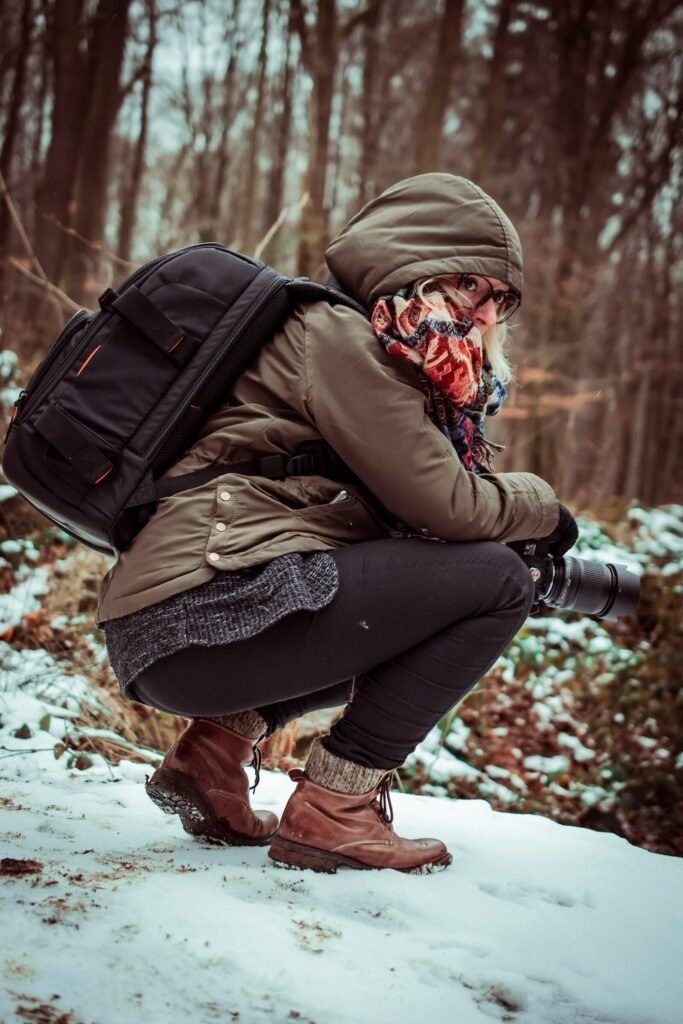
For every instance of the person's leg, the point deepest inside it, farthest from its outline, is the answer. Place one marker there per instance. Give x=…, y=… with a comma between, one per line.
x=417, y=622
x=340, y=813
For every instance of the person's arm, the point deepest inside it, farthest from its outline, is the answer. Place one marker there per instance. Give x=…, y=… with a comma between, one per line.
x=370, y=408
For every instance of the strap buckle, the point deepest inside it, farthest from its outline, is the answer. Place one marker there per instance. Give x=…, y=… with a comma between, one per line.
x=107, y=297
x=277, y=467
x=301, y=465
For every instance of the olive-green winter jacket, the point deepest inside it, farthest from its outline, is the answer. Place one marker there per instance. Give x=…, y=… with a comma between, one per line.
x=326, y=375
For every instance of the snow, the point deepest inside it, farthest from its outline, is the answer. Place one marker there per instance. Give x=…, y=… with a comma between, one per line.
x=505, y=930
x=580, y=752
x=534, y=921
x=548, y=765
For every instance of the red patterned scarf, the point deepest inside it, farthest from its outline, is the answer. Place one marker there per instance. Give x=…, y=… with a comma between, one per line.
x=455, y=374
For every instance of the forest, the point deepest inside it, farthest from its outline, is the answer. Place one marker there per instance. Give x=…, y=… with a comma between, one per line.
x=133, y=128
x=129, y=129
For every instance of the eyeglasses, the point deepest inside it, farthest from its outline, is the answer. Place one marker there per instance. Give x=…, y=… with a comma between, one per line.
x=478, y=290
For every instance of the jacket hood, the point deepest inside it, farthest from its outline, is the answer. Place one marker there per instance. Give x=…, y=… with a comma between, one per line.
x=419, y=227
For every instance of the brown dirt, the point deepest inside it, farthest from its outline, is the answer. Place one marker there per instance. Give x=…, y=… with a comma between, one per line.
x=10, y=866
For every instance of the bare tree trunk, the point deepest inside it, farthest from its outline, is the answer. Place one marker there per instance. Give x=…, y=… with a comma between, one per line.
x=338, y=171
x=70, y=97
x=11, y=129
x=490, y=131
x=45, y=83
x=319, y=55
x=109, y=33
x=372, y=109
x=276, y=191
x=173, y=176
x=223, y=153
x=435, y=98
x=636, y=454
x=130, y=199
x=248, y=226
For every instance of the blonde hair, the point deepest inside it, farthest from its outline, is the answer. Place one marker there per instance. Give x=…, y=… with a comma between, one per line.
x=494, y=339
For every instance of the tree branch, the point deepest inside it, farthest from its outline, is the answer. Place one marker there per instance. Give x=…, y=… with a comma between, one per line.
x=20, y=227
x=95, y=246
x=284, y=213
x=55, y=292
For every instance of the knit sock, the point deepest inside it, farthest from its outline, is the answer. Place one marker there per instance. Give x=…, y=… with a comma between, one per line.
x=246, y=723
x=333, y=772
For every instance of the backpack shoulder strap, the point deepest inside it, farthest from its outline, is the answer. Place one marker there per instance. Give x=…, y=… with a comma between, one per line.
x=313, y=457
x=304, y=289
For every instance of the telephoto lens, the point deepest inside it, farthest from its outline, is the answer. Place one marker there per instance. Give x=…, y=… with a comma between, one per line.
x=575, y=584
x=594, y=588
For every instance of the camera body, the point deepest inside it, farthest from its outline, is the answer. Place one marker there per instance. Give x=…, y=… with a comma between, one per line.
x=576, y=584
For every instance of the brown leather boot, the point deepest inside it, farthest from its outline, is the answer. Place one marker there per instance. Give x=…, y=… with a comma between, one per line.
x=322, y=828
x=202, y=780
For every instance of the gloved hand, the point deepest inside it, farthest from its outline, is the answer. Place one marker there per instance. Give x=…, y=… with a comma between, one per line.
x=565, y=534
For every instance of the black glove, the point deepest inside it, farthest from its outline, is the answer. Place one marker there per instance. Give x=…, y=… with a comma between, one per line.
x=565, y=534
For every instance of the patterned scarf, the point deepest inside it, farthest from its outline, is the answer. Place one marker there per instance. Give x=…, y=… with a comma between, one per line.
x=455, y=374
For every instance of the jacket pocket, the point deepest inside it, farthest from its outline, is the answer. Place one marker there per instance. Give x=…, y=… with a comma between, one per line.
x=329, y=506
x=341, y=522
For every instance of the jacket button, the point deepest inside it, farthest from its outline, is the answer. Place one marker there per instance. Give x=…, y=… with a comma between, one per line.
x=220, y=526
x=214, y=556
x=225, y=495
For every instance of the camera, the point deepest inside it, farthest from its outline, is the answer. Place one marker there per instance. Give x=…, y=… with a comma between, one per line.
x=578, y=585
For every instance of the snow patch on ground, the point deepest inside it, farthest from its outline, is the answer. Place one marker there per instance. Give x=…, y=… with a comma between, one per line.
x=101, y=892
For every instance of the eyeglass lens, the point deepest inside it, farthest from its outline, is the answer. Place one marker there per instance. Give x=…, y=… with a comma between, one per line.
x=478, y=290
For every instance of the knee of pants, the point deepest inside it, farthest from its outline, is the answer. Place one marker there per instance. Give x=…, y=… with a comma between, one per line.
x=515, y=570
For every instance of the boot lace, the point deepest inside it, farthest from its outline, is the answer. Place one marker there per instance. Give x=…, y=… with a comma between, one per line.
x=383, y=799
x=255, y=762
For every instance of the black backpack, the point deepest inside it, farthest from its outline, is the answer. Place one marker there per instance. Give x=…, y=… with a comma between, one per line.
x=123, y=391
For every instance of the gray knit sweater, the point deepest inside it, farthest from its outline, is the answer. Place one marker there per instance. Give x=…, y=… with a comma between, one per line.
x=231, y=606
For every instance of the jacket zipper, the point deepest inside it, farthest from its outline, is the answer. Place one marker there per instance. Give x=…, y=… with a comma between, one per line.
x=151, y=450
x=33, y=389
x=17, y=406
x=76, y=320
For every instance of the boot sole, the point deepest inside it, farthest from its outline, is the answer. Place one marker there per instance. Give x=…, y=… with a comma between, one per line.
x=176, y=793
x=296, y=855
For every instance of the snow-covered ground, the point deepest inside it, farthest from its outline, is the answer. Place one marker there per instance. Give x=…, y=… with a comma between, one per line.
x=111, y=913
x=102, y=918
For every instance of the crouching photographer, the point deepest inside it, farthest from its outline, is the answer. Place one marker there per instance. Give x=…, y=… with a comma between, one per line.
x=249, y=600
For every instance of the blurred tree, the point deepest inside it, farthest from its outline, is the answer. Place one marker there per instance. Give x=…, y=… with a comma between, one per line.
x=249, y=227
x=67, y=34
x=107, y=32
x=435, y=96
x=11, y=129
x=570, y=115
x=280, y=133
x=132, y=191
x=319, y=53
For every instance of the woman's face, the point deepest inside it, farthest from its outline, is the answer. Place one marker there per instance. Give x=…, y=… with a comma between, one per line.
x=486, y=297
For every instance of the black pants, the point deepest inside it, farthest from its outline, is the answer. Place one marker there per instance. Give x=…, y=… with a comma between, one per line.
x=416, y=622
